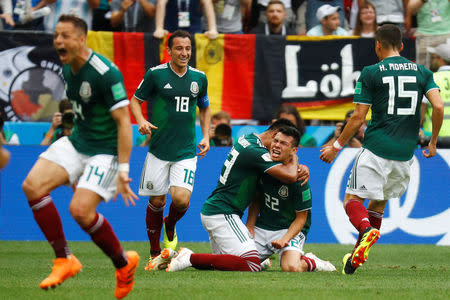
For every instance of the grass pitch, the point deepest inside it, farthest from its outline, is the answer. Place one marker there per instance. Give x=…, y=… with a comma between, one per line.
x=392, y=272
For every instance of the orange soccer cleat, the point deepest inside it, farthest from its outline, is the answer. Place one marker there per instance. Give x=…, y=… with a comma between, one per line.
x=62, y=269
x=125, y=275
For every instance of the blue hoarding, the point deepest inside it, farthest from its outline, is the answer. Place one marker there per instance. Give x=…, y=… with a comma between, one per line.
x=422, y=215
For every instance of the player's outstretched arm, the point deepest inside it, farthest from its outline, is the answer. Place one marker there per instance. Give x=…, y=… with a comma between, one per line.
x=293, y=230
x=329, y=153
x=124, y=146
x=144, y=126
x=437, y=117
x=205, y=120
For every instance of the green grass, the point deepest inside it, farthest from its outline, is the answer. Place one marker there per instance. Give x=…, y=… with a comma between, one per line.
x=392, y=272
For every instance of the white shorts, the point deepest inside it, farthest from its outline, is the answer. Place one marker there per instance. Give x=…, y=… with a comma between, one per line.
x=264, y=238
x=227, y=234
x=96, y=173
x=376, y=178
x=158, y=175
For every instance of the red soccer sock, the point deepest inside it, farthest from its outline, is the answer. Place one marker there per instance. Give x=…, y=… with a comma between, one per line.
x=104, y=237
x=310, y=262
x=357, y=214
x=225, y=262
x=375, y=218
x=48, y=219
x=154, y=220
x=175, y=214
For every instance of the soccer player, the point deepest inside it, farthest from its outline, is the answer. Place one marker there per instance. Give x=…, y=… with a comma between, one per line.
x=284, y=213
x=392, y=88
x=175, y=90
x=232, y=247
x=96, y=155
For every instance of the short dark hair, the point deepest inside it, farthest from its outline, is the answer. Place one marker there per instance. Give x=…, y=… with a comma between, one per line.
x=178, y=33
x=77, y=22
x=280, y=123
x=272, y=2
x=292, y=132
x=64, y=105
x=292, y=110
x=390, y=36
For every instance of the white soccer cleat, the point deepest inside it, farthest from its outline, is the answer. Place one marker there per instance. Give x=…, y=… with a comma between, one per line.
x=266, y=264
x=161, y=261
x=181, y=261
x=321, y=265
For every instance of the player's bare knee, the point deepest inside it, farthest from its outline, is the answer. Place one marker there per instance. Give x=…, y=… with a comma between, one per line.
x=81, y=214
x=157, y=201
x=291, y=267
x=31, y=189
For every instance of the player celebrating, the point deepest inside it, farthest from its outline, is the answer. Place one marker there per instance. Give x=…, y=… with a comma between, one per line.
x=96, y=154
x=381, y=170
x=232, y=247
x=175, y=90
x=284, y=213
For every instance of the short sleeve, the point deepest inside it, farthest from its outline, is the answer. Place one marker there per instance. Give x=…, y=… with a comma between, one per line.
x=203, y=99
x=362, y=90
x=144, y=90
x=429, y=80
x=113, y=89
x=259, y=158
x=303, y=198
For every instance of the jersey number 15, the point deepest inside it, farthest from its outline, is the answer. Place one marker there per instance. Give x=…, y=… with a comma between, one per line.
x=400, y=91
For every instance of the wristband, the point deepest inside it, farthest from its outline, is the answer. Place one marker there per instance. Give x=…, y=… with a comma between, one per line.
x=50, y=136
x=124, y=167
x=337, y=146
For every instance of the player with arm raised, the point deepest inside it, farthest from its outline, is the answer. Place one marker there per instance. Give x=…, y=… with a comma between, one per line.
x=175, y=90
x=232, y=247
x=381, y=171
x=284, y=213
x=96, y=155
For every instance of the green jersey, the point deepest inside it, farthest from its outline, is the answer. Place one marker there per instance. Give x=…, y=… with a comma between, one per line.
x=394, y=88
x=174, y=100
x=281, y=203
x=94, y=91
x=245, y=163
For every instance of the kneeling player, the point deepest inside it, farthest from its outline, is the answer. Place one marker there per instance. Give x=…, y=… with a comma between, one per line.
x=284, y=214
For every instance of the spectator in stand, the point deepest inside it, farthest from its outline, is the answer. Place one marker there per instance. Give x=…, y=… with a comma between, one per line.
x=392, y=12
x=355, y=141
x=312, y=6
x=186, y=15
x=289, y=19
x=229, y=14
x=220, y=129
x=62, y=123
x=433, y=25
x=101, y=15
x=329, y=18
x=7, y=137
x=440, y=64
x=133, y=15
x=78, y=8
x=291, y=113
x=6, y=13
x=275, y=16
x=366, y=21
x=22, y=15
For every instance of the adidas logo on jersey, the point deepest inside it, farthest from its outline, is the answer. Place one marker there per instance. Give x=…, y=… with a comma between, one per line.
x=168, y=86
x=363, y=188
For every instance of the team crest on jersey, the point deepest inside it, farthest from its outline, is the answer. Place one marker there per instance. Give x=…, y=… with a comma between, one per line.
x=149, y=185
x=194, y=88
x=283, y=191
x=85, y=91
